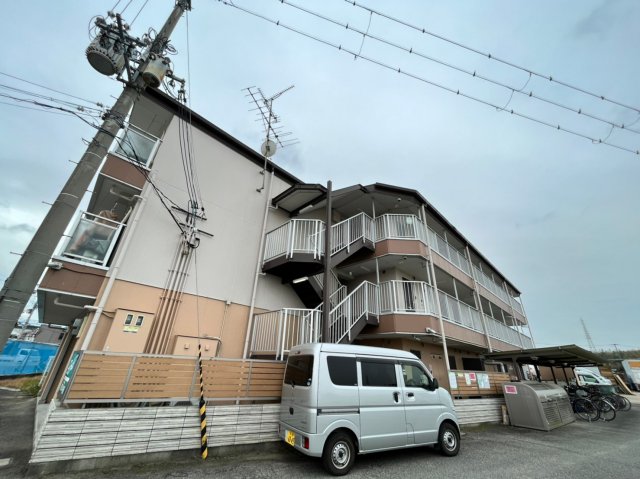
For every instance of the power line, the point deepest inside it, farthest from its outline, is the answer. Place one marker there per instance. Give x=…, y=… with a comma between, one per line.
x=50, y=89
x=492, y=57
x=431, y=82
x=471, y=73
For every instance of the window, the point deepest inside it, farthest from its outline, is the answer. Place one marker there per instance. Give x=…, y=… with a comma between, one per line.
x=414, y=376
x=452, y=362
x=342, y=371
x=377, y=373
x=416, y=352
x=472, y=364
x=299, y=371
x=129, y=320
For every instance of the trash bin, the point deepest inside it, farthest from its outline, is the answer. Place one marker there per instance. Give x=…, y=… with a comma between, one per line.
x=534, y=405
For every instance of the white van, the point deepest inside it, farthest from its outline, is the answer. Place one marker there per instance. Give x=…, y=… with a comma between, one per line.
x=589, y=377
x=341, y=400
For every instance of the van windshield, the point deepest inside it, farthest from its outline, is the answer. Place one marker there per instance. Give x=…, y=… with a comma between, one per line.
x=299, y=370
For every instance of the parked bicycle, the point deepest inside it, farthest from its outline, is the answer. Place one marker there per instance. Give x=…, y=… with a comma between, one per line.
x=620, y=403
x=582, y=407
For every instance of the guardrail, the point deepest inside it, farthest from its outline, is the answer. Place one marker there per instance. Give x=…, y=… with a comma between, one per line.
x=295, y=236
x=343, y=317
x=92, y=239
x=357, y=228
x=276, y=332
x=100, y=377
x=407, y=297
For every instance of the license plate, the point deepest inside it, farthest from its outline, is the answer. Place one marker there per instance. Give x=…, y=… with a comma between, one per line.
x=290, y=438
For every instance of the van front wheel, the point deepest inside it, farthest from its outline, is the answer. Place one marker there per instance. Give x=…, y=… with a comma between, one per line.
x=448, y=440
x=339, y=454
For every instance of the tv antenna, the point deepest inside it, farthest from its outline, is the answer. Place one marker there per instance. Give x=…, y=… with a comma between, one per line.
x=274, y=134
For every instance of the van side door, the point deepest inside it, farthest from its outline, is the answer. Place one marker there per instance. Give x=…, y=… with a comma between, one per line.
x=421, y=404
x=382, y=416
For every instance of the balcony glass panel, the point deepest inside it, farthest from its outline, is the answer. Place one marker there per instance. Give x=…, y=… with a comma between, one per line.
x=92, y=239
x=136, y=145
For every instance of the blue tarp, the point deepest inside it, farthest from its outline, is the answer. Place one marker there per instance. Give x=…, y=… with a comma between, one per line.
x=25, y=357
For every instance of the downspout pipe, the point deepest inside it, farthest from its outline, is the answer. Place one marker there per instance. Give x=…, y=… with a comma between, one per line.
x=114, y=270
x=258, y=267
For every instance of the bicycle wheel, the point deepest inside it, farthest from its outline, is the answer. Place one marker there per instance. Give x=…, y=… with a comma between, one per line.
x=626, y=404
x=586, y=410
x=607, y=411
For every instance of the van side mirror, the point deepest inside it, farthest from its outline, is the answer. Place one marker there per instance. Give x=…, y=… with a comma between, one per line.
x=434, y=384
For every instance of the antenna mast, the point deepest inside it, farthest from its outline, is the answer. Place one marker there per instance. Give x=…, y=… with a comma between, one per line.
x=274, y=135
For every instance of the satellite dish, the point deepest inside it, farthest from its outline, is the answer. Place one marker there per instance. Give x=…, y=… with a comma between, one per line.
x=268, y=148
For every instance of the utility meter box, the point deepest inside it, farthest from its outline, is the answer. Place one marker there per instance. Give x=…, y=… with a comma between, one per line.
x=535, y=405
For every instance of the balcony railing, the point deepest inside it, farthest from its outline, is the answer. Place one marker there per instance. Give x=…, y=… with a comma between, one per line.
x=136, y=145
x=507, y=334
x=456, y=311
x=407, y=297
x=400, y=227
x=92, y=239
x=357, y=228
x=488, y=282
x=448, y=252
x=295, y=236
x=280, y=330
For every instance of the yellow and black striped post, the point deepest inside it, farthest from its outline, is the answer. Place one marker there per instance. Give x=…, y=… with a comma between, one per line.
x=204, y=448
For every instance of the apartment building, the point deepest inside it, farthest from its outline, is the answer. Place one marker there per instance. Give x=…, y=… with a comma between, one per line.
x=143, y=272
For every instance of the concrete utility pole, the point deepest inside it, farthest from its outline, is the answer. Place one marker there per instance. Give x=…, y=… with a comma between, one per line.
x=19, y=286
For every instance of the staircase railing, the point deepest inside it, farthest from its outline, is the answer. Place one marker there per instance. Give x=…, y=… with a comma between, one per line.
x=357, y=228
x=295, y=236
x=293, y=326
x=361, y=301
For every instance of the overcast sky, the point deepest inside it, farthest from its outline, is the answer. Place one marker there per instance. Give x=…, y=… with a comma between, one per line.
x=556, y=214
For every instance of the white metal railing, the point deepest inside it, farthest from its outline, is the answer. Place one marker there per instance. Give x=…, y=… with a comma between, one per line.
x=92, y=239
x=136, y=145
x=501, y=331
x=407, y=297
x=455, y=311
x=517, y=306
x=280, y=330
x=295, y=236
x=361, y=301
x=488, y=282
x=338, y=290
x=357, y=228
x=448, y=252
x=393, y=226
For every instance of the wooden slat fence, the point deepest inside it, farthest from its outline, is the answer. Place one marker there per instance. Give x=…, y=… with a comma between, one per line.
x=477, y=384
x=113, y=377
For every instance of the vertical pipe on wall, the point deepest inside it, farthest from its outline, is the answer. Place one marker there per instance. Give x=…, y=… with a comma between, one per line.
x=113, y=273
x=435, y=289
x=258, y=266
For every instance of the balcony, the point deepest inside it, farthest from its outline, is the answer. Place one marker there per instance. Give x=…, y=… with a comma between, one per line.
x=137, y=146
x=92, y=240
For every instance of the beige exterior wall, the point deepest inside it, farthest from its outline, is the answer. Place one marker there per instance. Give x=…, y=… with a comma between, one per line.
x=221, y=326
x=227, y=261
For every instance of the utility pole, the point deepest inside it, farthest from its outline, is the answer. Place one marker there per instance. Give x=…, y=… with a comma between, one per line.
x=326, y=294
x=110, y=53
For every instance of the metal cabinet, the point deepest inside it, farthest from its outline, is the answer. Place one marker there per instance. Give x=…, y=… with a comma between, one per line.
x=535, y=405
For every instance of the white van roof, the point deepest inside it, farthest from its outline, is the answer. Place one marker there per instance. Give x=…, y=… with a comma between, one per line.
x=315, y=348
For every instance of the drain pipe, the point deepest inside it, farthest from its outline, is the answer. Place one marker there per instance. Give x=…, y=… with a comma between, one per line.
x=258, y=267
x=114, y=270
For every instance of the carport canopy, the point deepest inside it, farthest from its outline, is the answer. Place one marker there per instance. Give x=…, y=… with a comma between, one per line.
x=569, y=355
